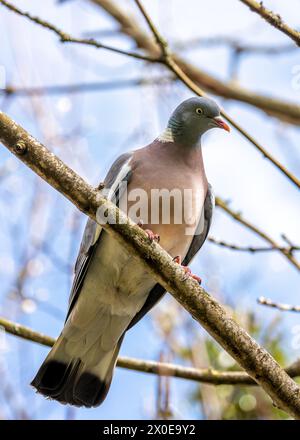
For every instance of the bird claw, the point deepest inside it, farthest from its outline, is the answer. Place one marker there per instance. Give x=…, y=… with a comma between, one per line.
x=186, y=269
x=152, y=236
x=194, y=276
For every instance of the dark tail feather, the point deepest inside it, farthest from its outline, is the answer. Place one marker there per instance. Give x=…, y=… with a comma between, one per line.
x=72, y=383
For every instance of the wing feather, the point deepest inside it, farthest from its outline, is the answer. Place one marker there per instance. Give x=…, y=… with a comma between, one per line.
x=119, y=171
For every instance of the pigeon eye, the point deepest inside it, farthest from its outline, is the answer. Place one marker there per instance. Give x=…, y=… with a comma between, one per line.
x=199, y=111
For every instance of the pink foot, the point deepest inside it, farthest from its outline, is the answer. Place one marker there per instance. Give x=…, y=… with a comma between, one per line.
x=152, y=236
x=187, y=269
x=150, y=233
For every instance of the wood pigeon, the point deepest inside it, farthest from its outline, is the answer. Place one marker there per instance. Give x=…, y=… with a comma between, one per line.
x=111, y=290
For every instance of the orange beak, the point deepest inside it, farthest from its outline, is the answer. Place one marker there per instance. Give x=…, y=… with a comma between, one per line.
x=220, y=123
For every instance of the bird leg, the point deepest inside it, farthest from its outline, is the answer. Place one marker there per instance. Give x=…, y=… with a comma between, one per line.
x=187, y=270
x=151, y=235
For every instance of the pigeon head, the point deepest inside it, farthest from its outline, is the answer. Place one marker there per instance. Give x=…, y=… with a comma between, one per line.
x=191, y=119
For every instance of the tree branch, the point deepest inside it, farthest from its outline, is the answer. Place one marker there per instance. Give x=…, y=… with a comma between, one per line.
x=252, y=249
x=280, y=306
x=66, y=38
x=177, y=67
x=158, y=38
x=274, y=19
x=170, y=62
x=174, y=67
x=238, y=217
x=85, y=87
x=284, y=110
x=206, y=375
x=235, y=45
x=257, y=362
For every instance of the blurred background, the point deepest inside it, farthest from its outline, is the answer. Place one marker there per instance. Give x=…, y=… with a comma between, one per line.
x=88, y=106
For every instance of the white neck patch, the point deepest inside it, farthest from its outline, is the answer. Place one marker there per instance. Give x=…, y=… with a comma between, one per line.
x=166, y=135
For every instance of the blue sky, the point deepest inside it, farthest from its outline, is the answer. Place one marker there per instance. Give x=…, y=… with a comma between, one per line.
x=115, y=121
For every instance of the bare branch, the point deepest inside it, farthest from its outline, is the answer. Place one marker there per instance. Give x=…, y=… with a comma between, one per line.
x=85, y=87
x=280, y=306
x=206, y=375
x=172, y=65
x=213, y=41
x=256, y=361
x=66, y=38
x=284, y=110
x=235, y=45
x=287, y=240
x=252, y=249
x=274, y=19
x=177, y=67
x=159, y=39
x=238, y=217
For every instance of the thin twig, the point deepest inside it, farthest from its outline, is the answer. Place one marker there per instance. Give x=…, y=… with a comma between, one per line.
x=253, y=249
x=238, y=217
x=85, y=87
x=280, y=306
x=287, y=240
x=212, y=41
x=67, y=38
x=174, y=67
x=263, y=151
x=207, y=375
x=284, y=110
x=274, y=19
x=169, y=62
x=235, y=45
x=159, y=39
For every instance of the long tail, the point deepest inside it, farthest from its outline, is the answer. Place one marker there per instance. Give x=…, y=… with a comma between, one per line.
x=76, y=381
